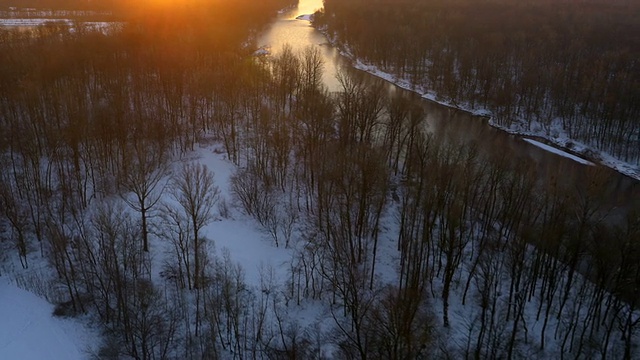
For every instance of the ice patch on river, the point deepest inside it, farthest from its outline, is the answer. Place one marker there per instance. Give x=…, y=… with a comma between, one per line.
x=306, y=17
x=562, y=153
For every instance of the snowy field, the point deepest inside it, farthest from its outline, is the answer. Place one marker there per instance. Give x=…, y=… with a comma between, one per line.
x=239, y=234
x=28, y=330
x=34, y=22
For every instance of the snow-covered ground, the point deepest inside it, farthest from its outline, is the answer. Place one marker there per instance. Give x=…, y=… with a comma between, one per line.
x=241, y=235
x=34, y=22
x=31, y=22
x=28, y=330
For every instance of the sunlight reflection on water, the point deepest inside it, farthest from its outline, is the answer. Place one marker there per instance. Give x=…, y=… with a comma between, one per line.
x=300, y=34
x=442, y=121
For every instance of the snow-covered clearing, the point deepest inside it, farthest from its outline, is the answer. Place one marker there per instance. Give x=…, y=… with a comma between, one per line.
x=240, y=234
x=28, y=330
x=556, y=151
x=250, y=245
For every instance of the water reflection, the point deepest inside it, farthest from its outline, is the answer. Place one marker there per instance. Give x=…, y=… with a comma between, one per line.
x=622, y=192
x=299, y=34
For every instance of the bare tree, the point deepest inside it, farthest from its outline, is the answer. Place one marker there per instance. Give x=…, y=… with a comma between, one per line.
x=194, y=190
x=16, y=216
x=144, y=180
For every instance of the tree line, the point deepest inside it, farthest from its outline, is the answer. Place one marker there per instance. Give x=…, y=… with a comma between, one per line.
x=92, y=123
x=539, y=66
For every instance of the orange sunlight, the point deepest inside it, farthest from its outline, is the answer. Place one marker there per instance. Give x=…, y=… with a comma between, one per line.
x=160, y=4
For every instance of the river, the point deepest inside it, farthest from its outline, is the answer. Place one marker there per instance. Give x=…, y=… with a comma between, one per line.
x=622, y=193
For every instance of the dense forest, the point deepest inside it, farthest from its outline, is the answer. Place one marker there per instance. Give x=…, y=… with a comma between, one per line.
x=488, y=257
x=555, y=68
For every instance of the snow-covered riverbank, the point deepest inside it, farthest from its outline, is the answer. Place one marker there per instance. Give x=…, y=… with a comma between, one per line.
x=561, y=141
x=555, y=137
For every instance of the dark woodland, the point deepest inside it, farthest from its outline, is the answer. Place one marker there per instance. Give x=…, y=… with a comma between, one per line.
x=572, y=64
x=93, y=124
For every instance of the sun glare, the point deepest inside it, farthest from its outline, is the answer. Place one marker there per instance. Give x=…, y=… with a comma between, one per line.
x=162, y=3
x=153, y=8
x=172, y=3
